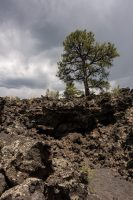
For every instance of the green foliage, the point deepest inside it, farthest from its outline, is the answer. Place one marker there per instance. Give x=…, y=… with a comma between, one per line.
x=116, y=91
x=52, y=94
x=86, y=61
x=71, y=90
x=17, y=98
x=90, y=172
x=90, y=175
x=13, y=98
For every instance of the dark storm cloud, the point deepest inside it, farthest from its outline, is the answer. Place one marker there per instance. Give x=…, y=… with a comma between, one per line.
x=22, y=13
x=32, y=31
x=24, y=82
x=48, y=21
x=33, y=78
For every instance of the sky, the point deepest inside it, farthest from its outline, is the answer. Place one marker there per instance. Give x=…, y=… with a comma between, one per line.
x=32, y=32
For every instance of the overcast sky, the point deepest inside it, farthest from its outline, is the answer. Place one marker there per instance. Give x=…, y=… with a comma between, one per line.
x=32, y=32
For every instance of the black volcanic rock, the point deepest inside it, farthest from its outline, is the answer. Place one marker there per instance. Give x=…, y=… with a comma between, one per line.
x=63, y=149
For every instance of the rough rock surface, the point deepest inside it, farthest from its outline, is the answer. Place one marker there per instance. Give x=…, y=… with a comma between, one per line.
x=31, y=188
x=3, y=185
x=76, y=149
x=25, y=157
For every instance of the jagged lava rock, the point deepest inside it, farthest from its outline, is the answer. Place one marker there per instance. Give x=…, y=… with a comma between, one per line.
x=51, y=149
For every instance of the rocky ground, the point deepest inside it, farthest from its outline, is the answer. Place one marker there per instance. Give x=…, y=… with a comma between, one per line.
x=76, y=149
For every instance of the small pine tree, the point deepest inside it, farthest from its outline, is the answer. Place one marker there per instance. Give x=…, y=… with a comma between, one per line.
x=70, y=90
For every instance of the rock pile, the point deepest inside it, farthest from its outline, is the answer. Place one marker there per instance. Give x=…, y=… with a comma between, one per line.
x=55, y=149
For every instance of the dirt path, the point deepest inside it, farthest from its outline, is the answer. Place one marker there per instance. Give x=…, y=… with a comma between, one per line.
x=108, y=187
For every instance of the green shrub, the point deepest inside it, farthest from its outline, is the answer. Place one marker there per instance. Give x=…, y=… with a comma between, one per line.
x=116, y=91
x=54, y=94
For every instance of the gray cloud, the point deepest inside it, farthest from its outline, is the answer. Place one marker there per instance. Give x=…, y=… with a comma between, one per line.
x=24, y=82
x=32, y=31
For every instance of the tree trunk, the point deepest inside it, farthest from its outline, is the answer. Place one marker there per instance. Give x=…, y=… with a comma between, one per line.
x=87, y=91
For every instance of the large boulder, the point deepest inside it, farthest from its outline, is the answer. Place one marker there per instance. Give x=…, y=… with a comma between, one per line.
x=30, y=189
x=67, y=181
x=25, y=157
x=3, y=184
